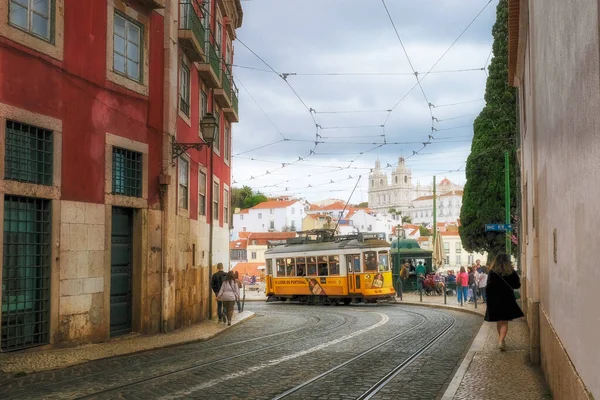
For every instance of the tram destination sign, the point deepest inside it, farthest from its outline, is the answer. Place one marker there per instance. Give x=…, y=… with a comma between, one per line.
x=498, y=227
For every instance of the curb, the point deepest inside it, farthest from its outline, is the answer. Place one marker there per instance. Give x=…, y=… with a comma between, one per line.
x=440, y=306
x=476, y=347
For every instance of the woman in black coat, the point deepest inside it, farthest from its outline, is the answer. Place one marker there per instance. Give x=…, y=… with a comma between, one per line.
x=501, y=303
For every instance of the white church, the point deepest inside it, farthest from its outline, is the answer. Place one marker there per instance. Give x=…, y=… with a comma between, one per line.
x=415, y=201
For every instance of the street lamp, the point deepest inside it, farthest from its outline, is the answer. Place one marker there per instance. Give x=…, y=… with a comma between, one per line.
x=209, y=128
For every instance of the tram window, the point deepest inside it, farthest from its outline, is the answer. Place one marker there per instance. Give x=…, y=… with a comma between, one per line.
x=269, y=267
x=290, y=266
x=353, y=262
x=384, y=261
x=334, y=265
x=370, y=260
x=300, y=266
x=280, y=267
x=311, y=266
x=322, y=265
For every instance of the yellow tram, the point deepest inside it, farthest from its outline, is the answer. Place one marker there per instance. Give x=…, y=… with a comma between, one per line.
x=318, y=266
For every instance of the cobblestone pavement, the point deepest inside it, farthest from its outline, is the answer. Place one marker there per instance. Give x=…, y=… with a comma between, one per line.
x=282, y=347
x=503, y=375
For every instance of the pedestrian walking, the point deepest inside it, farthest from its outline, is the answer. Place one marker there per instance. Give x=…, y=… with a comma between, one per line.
x=502, y=304
x=482, y=279
x=462, y=285
x=216, y=282
x=421, y=272
x=471, y=273
x=229, y=295
x=236, y=275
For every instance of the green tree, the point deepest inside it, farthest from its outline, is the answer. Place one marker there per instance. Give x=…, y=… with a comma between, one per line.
x=254, y=200
x=406, y=220
x=494, y=133
x=424, y=231
x=239, y=195
x=364, y=204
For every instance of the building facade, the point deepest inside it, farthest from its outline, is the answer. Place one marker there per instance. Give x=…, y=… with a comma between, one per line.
x=269, y=216
x=554, y=60
x=448, y=206
x=106, y=232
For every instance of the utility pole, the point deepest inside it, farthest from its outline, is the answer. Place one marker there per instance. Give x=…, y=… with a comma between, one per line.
x=434, y=211
x=508, y=232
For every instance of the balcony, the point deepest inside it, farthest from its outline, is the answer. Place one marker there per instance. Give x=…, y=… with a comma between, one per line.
x=231, y=112
x=154, y=4
x=210, y=69
x=223, y=95
x=191, y=34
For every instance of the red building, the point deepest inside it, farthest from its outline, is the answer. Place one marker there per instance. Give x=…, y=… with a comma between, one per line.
x=107, y=220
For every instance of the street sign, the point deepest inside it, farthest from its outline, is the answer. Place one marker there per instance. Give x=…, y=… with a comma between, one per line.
x=498, y=227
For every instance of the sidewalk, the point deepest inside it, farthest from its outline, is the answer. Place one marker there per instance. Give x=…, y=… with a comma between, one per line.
x=44, y=360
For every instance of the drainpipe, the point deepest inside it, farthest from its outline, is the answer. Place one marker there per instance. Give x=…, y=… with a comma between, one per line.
x=210, y=232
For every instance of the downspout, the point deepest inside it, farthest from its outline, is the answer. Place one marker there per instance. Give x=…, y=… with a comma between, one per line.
x=210, y=233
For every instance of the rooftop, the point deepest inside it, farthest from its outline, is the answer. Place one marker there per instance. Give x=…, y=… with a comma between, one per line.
x=274, y=204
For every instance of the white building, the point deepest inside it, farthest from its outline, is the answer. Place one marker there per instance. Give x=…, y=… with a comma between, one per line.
x=455, y=254
x=269, y=216
x=448, y=207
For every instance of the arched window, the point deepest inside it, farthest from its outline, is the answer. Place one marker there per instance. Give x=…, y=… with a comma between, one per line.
x=372, y=182
x=396, y=179
x=381, y=181
x=405, y=179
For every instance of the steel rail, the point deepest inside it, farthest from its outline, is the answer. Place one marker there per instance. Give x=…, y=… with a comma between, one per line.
x=196, y=366
x=364, y=353
x=373, y=390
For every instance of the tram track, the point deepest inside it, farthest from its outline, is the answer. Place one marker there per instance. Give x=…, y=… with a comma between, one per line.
x=388, y=377
x=197, y=366
x=176, y=357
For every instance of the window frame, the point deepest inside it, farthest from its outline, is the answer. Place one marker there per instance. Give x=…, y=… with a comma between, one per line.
x=180, y=185
x=216, y=200
x=125, y=178
x=202, y=193
x=51, y=17
x=140, y=26
x=185, y=84
x=226, y=145
x=225, y=205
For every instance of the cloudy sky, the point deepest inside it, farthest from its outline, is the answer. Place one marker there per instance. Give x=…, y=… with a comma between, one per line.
x=344, y=69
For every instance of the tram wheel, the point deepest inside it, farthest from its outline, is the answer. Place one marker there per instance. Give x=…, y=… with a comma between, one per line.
x=347, y=301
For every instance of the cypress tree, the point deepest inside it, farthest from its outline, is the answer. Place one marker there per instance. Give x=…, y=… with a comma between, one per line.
x=495, y=131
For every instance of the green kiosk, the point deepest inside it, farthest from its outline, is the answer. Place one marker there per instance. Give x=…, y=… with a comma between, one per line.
x=404, y=250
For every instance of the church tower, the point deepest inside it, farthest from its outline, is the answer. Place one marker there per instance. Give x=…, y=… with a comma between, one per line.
x=378, y=187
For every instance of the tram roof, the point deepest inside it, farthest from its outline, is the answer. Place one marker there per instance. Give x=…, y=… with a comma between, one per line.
x=328, y=246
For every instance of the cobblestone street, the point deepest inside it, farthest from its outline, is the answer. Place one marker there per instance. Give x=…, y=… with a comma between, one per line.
x=279, y=353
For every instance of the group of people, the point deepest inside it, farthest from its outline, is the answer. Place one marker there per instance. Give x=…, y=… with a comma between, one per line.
x=470, y=283
x=226, y=286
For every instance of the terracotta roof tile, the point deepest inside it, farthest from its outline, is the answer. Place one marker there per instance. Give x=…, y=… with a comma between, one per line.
x=248, y=267
x=271, y=235
x=239, y=244
x=274, y=204
x=338, y=205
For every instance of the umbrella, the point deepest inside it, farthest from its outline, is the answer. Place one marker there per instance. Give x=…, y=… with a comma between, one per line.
x=261, y=267
x=438, y=251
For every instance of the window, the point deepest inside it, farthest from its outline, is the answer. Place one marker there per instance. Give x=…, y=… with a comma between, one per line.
x=126, y=172
x=226, y=153
x=202, y=193
x=254, y=255
x=217, y=140
x=203, y=109
x=216, y=194
x=384, y=261
x=446, y=248
x=183, y=184
x=293, y=227
x=458, y=247
x=259, y=215
x=396, y=179
x=218, y=33
x=184, y=89
x=271, y=224
x=334, y=265
x=127, y=51
x=28, y=156
x=405, y=179
x=311, y=266
x=241, y=217
x=290, y=267
x=269, y=267
x=458, y=260
x=322, y=266
x=370, y=260
x=32, y=16
x=271, y=211
x=293, y=211
x=225, y=206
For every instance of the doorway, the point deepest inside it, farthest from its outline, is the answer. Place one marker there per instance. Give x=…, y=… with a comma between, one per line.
x=121, y=271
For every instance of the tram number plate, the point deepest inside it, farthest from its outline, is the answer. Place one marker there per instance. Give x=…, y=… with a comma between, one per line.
x=323, y=280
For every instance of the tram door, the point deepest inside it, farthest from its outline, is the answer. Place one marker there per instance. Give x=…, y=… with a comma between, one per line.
x=353, y=265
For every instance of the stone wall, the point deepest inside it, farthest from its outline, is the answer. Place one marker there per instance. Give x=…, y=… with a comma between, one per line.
x=82, y=316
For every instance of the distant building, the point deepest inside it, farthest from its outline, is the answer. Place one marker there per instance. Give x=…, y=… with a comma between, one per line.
x=448, y=208
x=270, y=216
x=251, y=246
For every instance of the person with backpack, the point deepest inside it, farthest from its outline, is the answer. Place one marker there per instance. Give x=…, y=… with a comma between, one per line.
x=216, y=281
x=502, y=304
x=229, y=295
